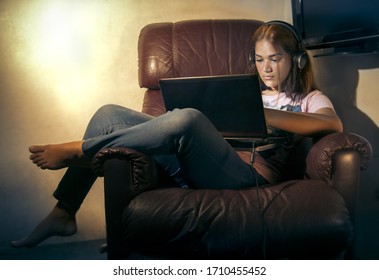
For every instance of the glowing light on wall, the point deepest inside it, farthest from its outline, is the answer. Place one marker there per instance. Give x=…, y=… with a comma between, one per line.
x=65, y=47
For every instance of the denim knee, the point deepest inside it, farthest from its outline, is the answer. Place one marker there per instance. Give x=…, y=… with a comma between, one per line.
x=106, y=111
x=188, y=120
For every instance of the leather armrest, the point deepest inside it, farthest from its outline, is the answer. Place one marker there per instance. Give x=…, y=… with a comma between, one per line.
x=143, y=167
x=126, y=174
x=338, y=158
x=319, y=162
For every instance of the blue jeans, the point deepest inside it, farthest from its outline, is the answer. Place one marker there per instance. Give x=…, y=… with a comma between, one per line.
x=184, y=142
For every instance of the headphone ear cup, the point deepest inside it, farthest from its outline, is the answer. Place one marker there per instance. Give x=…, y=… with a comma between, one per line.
x=301, y=59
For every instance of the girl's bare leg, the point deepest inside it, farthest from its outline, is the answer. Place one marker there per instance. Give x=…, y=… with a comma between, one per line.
x=60, y=222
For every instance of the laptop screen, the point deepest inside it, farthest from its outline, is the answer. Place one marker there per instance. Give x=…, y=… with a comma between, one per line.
x=233, y=103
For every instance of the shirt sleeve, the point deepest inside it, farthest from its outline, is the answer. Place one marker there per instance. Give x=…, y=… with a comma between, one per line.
x=315, y=101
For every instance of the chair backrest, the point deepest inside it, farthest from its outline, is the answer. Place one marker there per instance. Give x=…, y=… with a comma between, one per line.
x=191, y=48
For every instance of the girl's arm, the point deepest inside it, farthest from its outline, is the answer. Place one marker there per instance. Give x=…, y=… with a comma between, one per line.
x=323, y=121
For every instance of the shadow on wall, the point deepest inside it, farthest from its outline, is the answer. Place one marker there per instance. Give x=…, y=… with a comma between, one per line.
x=339, y=77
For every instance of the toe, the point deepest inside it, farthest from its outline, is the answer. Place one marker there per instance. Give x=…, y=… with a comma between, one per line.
x=36, y=149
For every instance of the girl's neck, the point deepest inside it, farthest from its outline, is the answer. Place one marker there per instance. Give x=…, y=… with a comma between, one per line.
x=270, y=92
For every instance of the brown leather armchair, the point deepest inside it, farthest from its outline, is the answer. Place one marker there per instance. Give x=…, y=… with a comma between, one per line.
x=309, y=216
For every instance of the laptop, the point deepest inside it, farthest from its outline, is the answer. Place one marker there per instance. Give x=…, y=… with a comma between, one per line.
x=233, y=103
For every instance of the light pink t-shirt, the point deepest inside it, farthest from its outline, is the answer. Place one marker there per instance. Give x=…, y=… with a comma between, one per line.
x=314, y=101
x=271, y=168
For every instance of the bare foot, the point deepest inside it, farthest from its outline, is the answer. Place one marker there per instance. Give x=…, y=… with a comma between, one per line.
x=57, y=156
x=58, y=223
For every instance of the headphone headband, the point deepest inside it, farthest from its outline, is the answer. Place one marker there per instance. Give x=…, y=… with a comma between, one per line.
x=300, y=58
x=288, y=26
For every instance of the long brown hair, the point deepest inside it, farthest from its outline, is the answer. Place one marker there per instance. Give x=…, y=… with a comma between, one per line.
x=299, y=81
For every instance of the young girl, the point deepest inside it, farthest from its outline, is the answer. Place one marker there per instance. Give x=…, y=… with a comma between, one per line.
x=185, y=143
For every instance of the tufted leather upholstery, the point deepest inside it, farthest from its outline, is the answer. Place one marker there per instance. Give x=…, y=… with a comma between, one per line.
x=309, y=216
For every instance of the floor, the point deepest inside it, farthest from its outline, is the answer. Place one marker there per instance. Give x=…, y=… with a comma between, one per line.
x=87, y=250
x=91, y=250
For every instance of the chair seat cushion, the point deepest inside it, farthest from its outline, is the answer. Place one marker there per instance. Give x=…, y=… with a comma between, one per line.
x=300, y=219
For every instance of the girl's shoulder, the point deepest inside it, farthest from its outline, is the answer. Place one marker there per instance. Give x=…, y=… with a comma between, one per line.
x=315, y=100
x=314, y=94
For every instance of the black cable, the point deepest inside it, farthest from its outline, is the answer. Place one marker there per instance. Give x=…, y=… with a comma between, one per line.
x=261, y=211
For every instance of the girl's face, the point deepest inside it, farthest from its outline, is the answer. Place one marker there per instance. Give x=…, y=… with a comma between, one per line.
x=273, y=64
